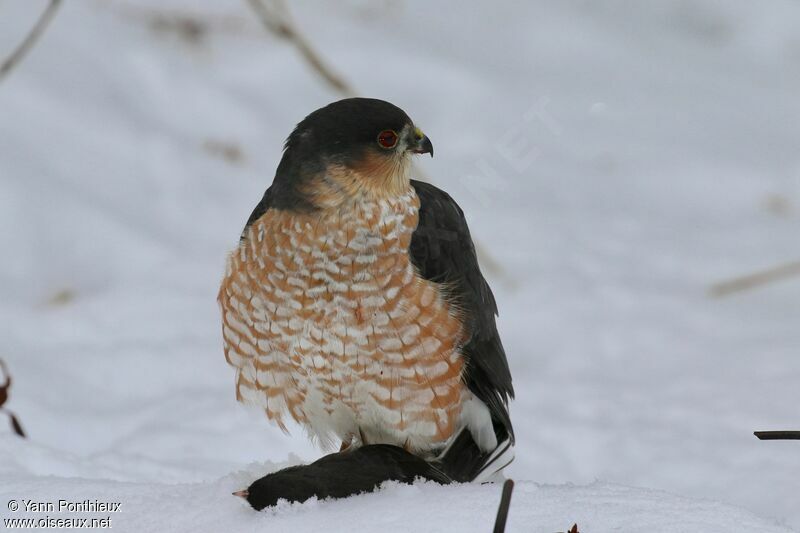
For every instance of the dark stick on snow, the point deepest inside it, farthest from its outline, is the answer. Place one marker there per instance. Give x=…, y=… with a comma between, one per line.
x=777, y=435
x=24, y=47
x=502, y=511
x=15, y=425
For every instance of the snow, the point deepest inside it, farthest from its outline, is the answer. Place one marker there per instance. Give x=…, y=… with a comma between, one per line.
x=426, y=506
x=614, y=159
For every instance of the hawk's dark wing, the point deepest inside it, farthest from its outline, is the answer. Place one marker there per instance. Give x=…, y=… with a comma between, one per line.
x=443, y=252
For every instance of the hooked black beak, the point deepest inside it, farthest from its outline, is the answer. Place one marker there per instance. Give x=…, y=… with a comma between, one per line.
x=421, y=144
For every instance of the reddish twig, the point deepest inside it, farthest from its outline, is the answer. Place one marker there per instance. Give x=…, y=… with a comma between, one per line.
x=4, y=388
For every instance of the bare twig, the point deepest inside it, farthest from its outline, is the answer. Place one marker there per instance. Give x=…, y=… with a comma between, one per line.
x=502, y=510
x=4, y=388
x=191, y=26
x=777, y=435
x=756, y=279
x=24, y=47
x=275, y=18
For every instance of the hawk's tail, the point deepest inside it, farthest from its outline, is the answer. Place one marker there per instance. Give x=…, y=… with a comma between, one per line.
x=464, y=461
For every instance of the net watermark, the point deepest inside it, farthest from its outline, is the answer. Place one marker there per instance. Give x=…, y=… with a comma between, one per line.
x=29, y=513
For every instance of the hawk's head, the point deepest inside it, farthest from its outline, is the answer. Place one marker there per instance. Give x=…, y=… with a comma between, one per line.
x=347, y=150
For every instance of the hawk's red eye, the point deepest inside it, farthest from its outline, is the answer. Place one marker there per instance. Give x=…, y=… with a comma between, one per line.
x=387, y=138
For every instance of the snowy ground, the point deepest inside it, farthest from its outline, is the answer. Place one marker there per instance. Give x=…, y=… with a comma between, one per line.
x=613, y=158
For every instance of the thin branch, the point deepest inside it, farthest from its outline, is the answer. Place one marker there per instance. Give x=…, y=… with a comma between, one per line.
x=777, y=435
x=15, y=425
x=502, y=510
x=6, y=384
x=276, y=19
x=4, y=388
x=756, y=279
x=24, y=47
